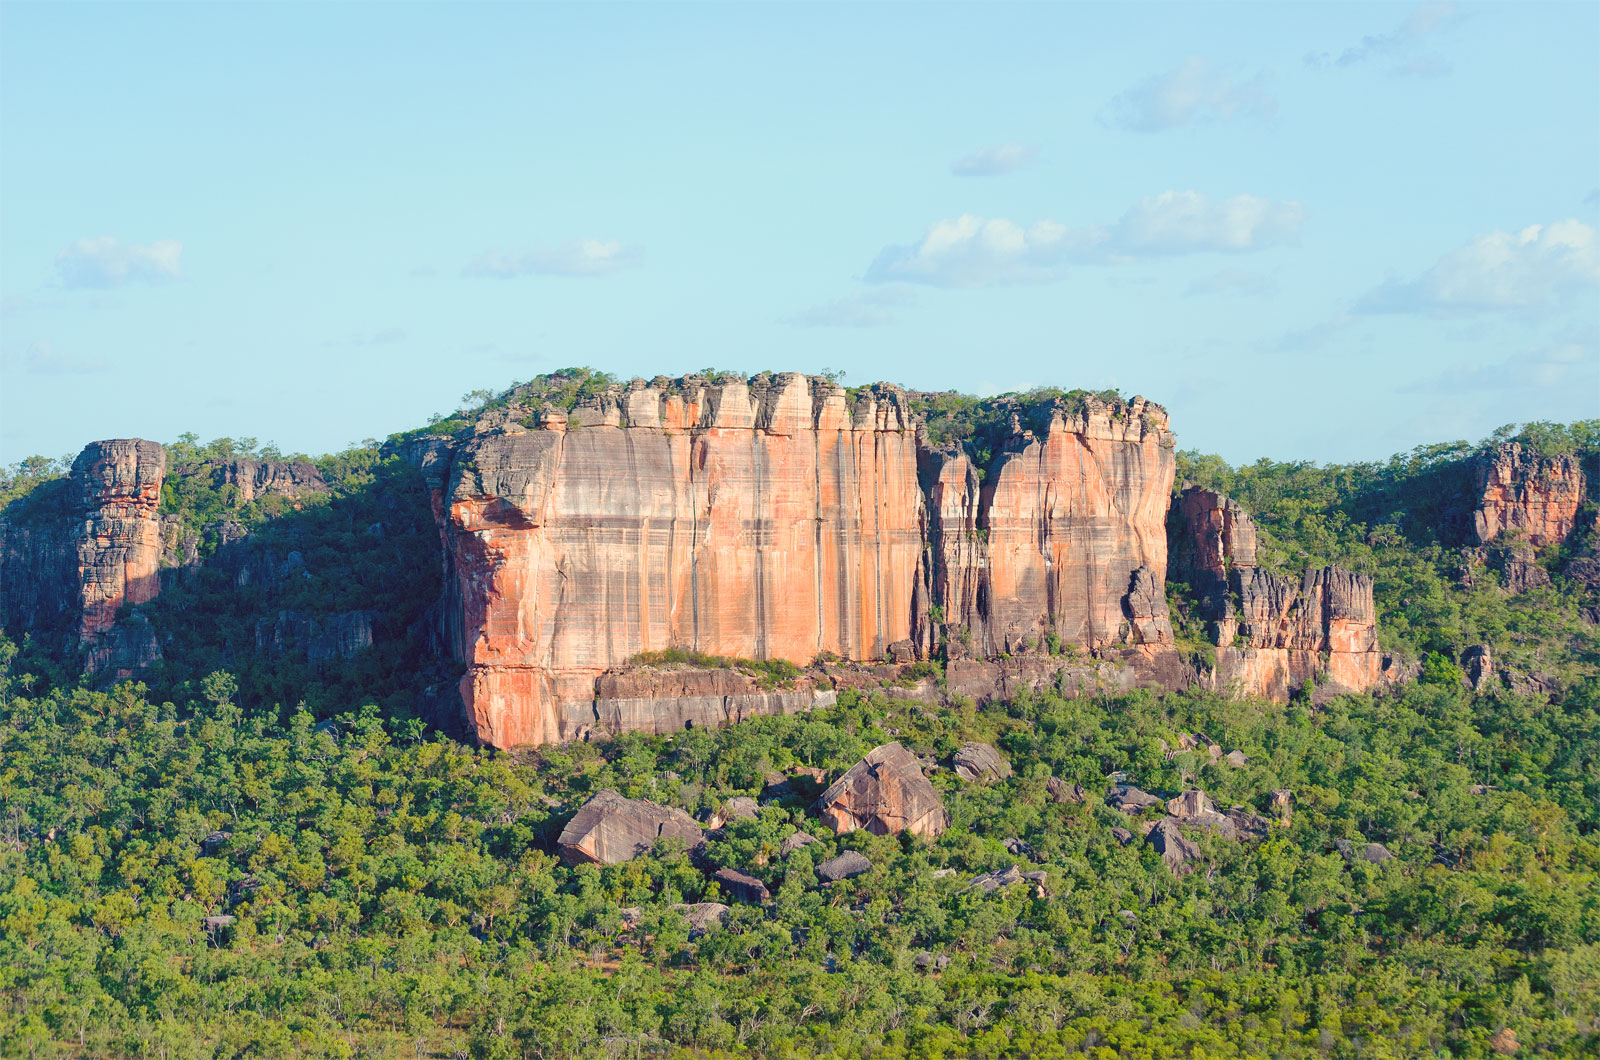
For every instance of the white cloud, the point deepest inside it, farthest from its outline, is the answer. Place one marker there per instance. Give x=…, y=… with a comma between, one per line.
x=993, y=161
x=104, y=262
x=972, y=251
x=1539, y=265
x=1568, y=365
x=582, y=257
x=1232, y=281
x=1195, y=91
x=868, y=309
x=1423, y=21
x=42, y=358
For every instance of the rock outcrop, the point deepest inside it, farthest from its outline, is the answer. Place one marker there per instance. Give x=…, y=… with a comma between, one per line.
x=886, y=794
x=770, y=520
x=849, y=864
x=609, y=829
x=252, y=479
x=1518, y=489
x=779, y=518
x=1052, y=542
x=316, y=638
x=978, y=763
x=1275, y=633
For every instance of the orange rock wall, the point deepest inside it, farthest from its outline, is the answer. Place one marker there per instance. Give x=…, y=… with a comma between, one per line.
x=119, y=548
x=1057, y=536
x=1520, y=490
x=767, y=522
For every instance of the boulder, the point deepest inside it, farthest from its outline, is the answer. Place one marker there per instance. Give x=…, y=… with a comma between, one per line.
x=993, y=881
x=850, y=863
x=1062, y=792
x=794, y=842
x=1244, y=824
x=213, y=843
x=885, y=793
x=739, y=808
x=217, y=923
x=1236, y=759
x=1376, y=853
x=1122, y=835
x=978, y=763
x=926, y=960
x=1130, y=799
x=1016, y=846
x=1167, y=839
x=609, y=829
x=744, y=887
x=1281, y=799
x=701, y=915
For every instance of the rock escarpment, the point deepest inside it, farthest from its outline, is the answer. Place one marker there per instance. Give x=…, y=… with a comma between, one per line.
x=1062, y=536
x=1275, y=633
x=764, y=521
x=77, y=564
x=779, y=518
x=1520, y=490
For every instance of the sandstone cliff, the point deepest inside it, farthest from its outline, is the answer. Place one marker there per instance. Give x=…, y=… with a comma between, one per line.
x=1274, y=632
x=1065, y=536
x=1518, y=489
x=779, y=518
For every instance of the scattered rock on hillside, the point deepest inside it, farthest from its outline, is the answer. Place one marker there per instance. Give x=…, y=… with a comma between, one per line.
x=978, y=763
x=850, y=863
x=1281, y=799
x=1167, y=839
x=701, y=915
x=1130, y=799
x=609, y=829
x=794, y=842
x=1060, y=791
x=885, y=793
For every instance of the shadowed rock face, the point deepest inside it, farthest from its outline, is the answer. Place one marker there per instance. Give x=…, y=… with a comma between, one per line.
x=1520, y=490
x=609, y=829
x=886, y=794
x=259, y=478
x=119, y=545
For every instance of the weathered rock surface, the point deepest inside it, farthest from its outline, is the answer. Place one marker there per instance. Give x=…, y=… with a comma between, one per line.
x=796, y=841
x=1218, y=537
x=886, y=794
x=1168, y=840
x=609, y=829
x=761, y=521
x=119, y=548
x=1518, y=489
x=742, y=886
x=1282, y=805
x=703, y=915
x=317, y=638
x=671, y=699
x=850, y=863
x=978, y=763
x=1072, y=507
x=253, y=479
x=1130, y=799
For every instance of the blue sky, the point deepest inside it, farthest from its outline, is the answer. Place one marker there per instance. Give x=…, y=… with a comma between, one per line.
x=1312, y=231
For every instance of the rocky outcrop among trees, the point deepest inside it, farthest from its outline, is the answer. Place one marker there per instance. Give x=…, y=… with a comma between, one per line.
x=1522, y=491
x=885, y=793
x=609, y=829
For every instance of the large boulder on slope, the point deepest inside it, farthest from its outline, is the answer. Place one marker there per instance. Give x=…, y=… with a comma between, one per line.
x=978, y=763
x=609, y=829
x=885, y=793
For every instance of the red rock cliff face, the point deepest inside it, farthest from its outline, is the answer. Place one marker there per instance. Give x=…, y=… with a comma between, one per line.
x=119, y=549
x=1274, y=632
x=1520, y=490
x=1067, y=534
x=767, y=521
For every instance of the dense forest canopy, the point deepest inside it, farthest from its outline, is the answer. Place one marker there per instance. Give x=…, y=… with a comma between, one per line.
x=253, y=855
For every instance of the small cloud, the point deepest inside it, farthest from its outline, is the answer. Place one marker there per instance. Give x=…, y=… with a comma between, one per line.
x=1182, y=222
x=1571, y=365
x=104, y=262
x=42, y=358
x=1232, y=281
x=582, y=257
x=1195, y=91
x=1502, y=270
x=1423, y=21
x=972, y=251
x=869, y=309
x=993, y=161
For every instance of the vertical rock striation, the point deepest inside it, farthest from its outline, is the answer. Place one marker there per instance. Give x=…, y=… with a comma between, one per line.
x=1065, y=536
x=119, y=551
x=763, y=520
